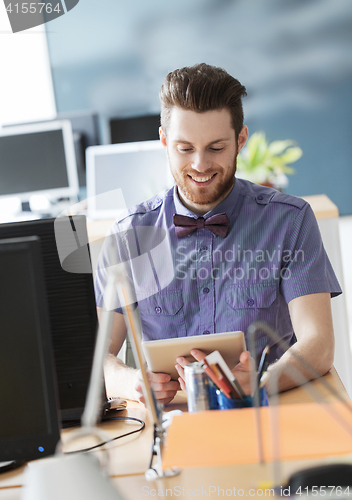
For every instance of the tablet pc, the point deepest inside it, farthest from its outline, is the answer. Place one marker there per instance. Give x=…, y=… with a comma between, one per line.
x=161, y=354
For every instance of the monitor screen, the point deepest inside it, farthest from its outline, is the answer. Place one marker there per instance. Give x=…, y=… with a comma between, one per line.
x=135, y=128
x=38, y=158
x=85, y=131
x=138, y=170
x=29, y=425
x=72, y=309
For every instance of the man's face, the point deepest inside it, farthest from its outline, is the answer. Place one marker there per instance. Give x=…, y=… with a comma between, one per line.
x=202, y=150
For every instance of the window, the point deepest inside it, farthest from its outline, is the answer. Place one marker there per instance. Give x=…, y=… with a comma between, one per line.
x=26, y=89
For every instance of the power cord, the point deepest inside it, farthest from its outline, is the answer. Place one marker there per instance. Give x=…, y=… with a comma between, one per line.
x=115, y=438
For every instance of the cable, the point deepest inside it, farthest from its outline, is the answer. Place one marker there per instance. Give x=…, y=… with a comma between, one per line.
x=115, y=438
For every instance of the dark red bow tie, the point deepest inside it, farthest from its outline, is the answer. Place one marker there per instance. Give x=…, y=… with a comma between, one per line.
x=218, y=224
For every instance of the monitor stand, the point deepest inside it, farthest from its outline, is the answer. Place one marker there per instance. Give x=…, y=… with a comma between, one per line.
x=10, y=465
x=25, y=210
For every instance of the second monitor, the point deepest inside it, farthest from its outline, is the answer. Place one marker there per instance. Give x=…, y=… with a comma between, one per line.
x=38, y=159
x=135, y=128
x=122, y=175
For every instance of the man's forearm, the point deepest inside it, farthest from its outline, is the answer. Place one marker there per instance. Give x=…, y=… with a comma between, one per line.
x=312, y=322
x=120, y=379
x=287, y=366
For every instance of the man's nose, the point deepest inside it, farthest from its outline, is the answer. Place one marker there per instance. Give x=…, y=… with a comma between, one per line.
x=200, y=162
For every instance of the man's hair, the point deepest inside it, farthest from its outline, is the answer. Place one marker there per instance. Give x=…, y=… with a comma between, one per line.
x=202, y=88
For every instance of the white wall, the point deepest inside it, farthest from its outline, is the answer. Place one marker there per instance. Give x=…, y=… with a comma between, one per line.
x=26, y=89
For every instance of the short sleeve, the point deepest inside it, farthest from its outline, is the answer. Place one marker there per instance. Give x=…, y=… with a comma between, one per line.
x=113, y=253
x=306, y=268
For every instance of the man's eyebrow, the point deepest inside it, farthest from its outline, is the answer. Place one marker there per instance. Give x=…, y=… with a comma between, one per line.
x=183, y=141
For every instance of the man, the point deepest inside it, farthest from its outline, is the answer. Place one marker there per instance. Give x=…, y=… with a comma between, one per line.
x=262, y=259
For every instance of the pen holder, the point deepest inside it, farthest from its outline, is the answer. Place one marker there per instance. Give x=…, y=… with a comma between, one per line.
x=225, y=403
x=212, y=396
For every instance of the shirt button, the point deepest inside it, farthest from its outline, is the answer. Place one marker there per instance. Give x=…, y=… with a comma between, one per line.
x=260, y=197
x=206, y=332
x=158, y=310
x=250, y=302
x=206, y=290
x=203, y=249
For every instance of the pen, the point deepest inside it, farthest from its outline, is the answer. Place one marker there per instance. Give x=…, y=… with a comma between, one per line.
x=264, y=379
x=223, y=382
x=262, y=363
x=238, y=387
x=261, y=368
x=234, y=383
x=219, y=383
x=236, y=393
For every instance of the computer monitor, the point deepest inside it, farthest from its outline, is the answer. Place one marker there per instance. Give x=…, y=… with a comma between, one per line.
x=72, y=309
x=135, y=128
x=139, y=169
x=85, y=131
x=38, y=159
x=29, y=423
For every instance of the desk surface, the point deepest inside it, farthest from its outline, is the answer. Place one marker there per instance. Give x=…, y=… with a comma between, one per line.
x=322, y=206
x=129, y=458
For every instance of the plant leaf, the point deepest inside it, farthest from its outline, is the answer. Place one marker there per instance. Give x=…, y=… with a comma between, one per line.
x=278, y=147
x=260, y=161
x=257, y=148
x=291, y=155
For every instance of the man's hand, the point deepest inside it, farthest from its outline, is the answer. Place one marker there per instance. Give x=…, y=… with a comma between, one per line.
x=241, y=370
x=182, y=362
x=163, y=387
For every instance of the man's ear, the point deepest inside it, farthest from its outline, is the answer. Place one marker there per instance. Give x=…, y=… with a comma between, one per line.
x=162, y=136
x=242, y=138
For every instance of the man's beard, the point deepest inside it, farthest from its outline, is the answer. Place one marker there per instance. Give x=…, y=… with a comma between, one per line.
x=208, y=194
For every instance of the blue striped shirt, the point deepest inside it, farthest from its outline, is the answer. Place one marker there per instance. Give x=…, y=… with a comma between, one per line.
x=202, y=283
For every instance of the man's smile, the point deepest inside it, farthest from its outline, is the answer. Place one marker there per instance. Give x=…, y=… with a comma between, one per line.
x=205, y=181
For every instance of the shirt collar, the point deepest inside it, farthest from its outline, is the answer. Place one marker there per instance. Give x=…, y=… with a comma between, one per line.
x=226, y=206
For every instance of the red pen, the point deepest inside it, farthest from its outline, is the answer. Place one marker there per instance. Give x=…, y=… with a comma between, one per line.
x=223, y=378
x=219, y=383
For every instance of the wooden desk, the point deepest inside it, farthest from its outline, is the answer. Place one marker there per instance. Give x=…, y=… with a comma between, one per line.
x=322, y=206
x=130, y=459
x=300, y=395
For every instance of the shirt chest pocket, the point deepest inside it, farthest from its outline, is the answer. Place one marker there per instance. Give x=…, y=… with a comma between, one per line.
x=251, y=296
x=249, y=303
x=162, y=316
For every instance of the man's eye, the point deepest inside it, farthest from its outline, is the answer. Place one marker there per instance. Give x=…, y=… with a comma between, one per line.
x=216, y=149
x=184, y=150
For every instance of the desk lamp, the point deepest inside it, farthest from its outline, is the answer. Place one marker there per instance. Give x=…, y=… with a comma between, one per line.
x=118, y=286
x=301, y=380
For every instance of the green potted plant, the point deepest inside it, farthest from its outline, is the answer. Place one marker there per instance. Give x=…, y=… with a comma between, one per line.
x=265, y=163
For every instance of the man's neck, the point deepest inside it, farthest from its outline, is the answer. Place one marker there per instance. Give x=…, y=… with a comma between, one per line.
x=201, y=209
